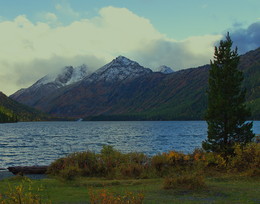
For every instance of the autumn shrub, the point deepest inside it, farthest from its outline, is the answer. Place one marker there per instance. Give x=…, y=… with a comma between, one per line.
x=78, y=164
x=110, y=159
x=165, y=163
x=131, y=170
x=138, y=158
x=56, y=166
x=184, y=181
x=198, y=155
x=215, y=161
x=111, y=163
x=177, y=159
x=246, y=159
x=88, y=162
x=104, y=196
x=70, y=172
x=136, y=165
x=22, y=193
x=159, y=162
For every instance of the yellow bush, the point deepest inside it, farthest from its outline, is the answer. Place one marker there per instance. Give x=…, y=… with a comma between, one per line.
x=21, y=194
x=246, y=159
x=159, y=163
x=175, y=158
x=215, y=160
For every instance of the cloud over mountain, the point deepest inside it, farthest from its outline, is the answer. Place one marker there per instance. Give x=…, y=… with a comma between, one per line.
x=30, y=50
x=247, y=38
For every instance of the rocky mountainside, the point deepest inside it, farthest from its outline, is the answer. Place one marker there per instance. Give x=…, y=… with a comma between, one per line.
x=124, y=90
x=250, y=65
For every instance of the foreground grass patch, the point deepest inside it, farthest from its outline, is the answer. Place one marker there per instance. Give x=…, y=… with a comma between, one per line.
x=224, y=189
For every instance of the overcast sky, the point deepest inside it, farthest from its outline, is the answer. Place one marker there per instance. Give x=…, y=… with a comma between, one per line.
x=39, y=37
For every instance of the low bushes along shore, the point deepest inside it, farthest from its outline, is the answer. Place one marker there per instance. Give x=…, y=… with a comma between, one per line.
x=112, y=164
x=195, y=174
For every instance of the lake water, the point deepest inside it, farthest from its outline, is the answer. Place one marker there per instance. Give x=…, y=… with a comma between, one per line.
x=39, y=143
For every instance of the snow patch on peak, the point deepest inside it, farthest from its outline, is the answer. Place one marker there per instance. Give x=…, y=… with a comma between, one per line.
x=45, y=80
x=119, y=69
x=68, y=75
x=79, y=73
x=49, y=83
x=65, y=76
x=124, y=61
x=165, y=69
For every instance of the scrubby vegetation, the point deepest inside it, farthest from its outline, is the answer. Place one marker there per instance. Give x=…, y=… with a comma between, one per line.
x=173, y=177
x=112, y=164
x=22, y=193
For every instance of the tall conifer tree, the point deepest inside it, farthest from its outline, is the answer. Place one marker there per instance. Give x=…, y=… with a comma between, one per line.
x=226, y=114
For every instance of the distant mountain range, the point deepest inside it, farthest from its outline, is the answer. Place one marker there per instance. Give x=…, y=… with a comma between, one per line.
x=125, y=90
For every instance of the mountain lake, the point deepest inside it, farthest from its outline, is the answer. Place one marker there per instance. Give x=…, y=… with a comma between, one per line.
x=40, y=143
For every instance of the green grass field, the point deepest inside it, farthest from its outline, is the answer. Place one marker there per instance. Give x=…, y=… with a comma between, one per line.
x=222, y=189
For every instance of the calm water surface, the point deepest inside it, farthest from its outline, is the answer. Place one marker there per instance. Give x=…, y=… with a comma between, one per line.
x=39, y=143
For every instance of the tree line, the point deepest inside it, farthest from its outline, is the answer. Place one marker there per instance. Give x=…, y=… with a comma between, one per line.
x=7, y=116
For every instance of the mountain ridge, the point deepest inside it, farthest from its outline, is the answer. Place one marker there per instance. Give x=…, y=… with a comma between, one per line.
x=123, y=89
x=119, y=69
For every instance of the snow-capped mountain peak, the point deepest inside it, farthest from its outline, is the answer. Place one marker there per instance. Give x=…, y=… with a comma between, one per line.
x=119, y=69
x=66, y=76
x=79, y=73
x=124, y=61
x=165, y=69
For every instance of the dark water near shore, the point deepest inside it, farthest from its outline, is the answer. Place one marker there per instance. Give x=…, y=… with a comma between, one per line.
x=39, y=143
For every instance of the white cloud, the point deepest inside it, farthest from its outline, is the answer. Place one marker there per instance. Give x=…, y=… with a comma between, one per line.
x=30, y=50
x=192, y=52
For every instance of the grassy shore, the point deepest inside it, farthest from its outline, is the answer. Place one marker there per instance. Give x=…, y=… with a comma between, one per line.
x=222, y=189
x=114, y=177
